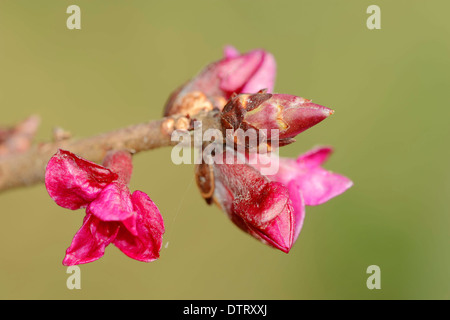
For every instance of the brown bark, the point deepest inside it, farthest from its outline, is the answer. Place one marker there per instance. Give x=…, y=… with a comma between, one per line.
x=26, y=169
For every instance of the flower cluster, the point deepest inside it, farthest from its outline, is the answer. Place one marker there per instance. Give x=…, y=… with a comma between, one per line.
x=269, y=207
x=218, y=81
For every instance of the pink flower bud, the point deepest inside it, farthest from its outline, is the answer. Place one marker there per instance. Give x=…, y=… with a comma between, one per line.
x=308, y=183
x=132, y=222
x=288, y=115
x=271, y=208
x=214, y=85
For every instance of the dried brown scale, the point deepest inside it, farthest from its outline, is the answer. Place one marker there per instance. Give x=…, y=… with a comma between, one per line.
x=61, y=134
x=167, y=126
x=204, y=177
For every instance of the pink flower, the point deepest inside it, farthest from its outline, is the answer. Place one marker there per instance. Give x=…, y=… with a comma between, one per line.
x=132, y=222
x=214, y=85
x=258, y=206
x=307, y=182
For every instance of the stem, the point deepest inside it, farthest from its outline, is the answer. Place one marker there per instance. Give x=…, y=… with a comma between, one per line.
x=28, y=168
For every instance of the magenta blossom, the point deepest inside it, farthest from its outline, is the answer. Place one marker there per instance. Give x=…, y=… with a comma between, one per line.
x=271, y=208
x=308, y=183
x=214, y=85
x=132, y=222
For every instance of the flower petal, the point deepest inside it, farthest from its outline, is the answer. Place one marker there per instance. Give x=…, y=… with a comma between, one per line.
x=279, y=232
x=146, y=245
x=230, y=52
x=298, y=205
x=114, y=204
x=90, y=241
x=319, y=185
x=253, y=203
x=255, y=198
x=234, y=73
x=264, y=76
x=73, y=182
x=314, y=157
x=260, y=207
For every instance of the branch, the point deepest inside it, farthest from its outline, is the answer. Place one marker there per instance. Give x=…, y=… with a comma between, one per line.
x=26, y=169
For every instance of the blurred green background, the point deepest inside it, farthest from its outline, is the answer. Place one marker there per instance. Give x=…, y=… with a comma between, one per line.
x=389, y=89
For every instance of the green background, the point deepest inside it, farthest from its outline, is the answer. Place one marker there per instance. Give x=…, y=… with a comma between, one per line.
x=390, y=132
